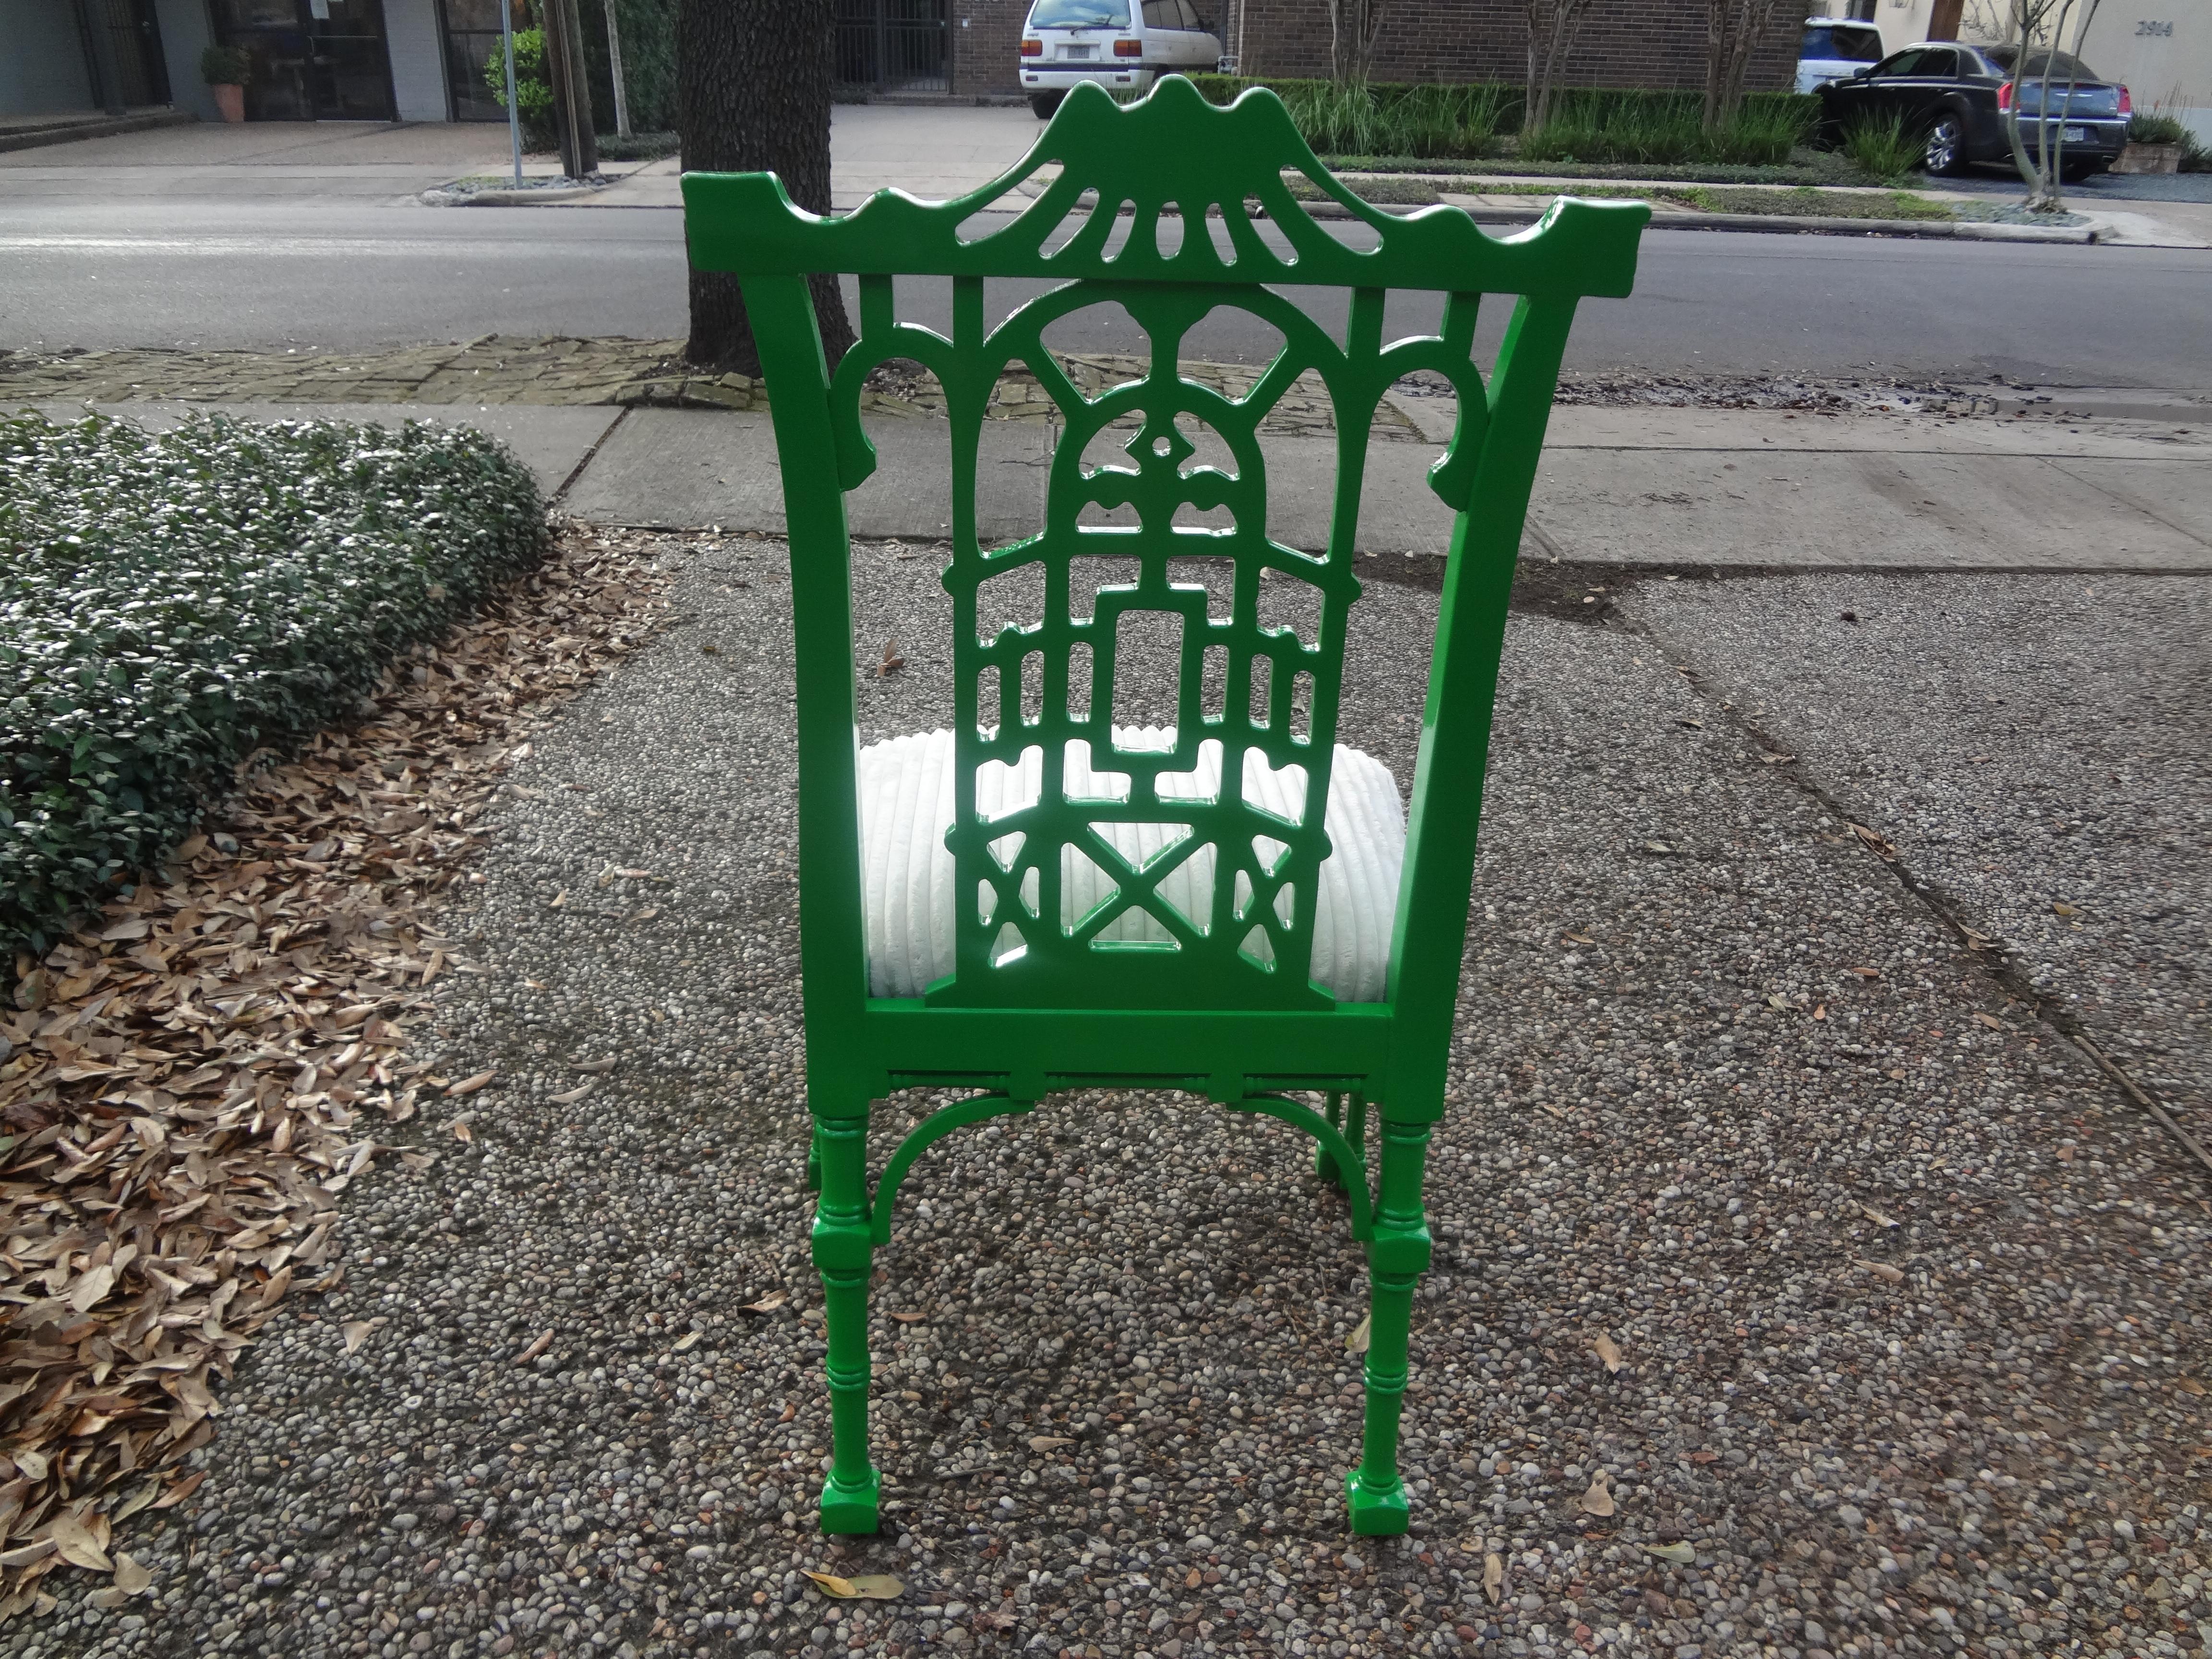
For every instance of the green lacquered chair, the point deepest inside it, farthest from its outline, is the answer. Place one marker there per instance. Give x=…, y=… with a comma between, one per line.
x=1131, y=921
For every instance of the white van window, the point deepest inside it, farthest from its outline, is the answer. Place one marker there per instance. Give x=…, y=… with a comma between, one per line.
x=1080, y=14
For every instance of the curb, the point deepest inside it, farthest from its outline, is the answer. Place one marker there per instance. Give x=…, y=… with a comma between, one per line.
x=38, y=137
x=1772, y=224
x=521, y=198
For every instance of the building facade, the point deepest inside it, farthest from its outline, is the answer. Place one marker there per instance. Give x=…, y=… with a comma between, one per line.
x=313, y=60
x=1622, y=43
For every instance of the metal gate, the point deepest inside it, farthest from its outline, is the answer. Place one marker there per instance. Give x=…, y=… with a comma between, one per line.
x=128, y=46
x=894, y=46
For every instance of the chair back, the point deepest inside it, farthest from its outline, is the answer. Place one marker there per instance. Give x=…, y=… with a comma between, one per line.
x=1196, y=846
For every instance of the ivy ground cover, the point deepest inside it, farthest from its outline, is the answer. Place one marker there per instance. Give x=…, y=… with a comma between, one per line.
x=171, y=602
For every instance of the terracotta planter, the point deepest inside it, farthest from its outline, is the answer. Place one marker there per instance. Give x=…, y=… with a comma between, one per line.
x=231, y=101
x=2149, y=158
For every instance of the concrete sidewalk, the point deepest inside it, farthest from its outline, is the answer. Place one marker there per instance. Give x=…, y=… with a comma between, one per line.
x=1720, y=489
x=267, y=160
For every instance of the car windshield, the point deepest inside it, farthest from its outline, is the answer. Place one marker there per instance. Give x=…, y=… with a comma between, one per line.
x=2063, y=65
x=1080, y=14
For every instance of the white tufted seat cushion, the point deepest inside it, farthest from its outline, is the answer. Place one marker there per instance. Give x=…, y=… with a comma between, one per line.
x=906, y=807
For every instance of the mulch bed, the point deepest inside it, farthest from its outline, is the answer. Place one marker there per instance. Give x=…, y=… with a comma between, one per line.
x=189, y=1083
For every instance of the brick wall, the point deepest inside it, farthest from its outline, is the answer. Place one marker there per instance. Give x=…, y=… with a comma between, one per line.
x=1623, y=43
x=986, y=38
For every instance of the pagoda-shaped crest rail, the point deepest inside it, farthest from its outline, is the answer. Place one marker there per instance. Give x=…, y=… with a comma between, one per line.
x=1175, y=154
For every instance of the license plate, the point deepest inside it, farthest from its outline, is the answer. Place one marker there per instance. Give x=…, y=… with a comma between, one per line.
x=2077, y=135
x=1085, y=52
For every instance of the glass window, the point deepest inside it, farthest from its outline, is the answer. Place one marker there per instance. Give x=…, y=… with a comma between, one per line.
x=1818, y=41
x=1080, y=14
x=1858, y=45
x=1941, y=62
x=1191, y=20
x=1905, y=63
x=2061, y=63
x=1161, y=15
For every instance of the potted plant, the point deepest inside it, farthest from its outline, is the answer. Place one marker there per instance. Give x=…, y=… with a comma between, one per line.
x=225, y=70
x=2154, y=145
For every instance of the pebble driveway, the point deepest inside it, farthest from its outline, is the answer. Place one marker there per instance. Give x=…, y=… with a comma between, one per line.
x=1907, y=1302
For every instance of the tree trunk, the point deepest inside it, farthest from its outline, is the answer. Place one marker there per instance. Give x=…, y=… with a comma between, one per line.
x=1354, y=26
x=572, y=90
x=753, y=96
x=1735, y=30
x=1553, y=25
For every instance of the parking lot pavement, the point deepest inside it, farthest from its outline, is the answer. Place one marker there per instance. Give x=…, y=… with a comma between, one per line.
x=1903, y=1298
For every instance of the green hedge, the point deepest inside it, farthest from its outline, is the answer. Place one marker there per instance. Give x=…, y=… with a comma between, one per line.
x=171, y=602
x=1602, y=124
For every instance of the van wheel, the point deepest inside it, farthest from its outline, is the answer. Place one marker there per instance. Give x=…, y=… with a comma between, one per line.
x=1044, y=103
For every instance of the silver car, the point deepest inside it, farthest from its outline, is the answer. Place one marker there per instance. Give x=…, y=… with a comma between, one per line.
x=1123, y=44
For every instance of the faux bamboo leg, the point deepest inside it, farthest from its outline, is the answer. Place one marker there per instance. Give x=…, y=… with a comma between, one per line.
x=1395, y=1260
x=843, y=1253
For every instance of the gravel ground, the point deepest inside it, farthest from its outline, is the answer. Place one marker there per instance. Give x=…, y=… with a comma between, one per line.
x=2040, y=748
x=1909, y=1308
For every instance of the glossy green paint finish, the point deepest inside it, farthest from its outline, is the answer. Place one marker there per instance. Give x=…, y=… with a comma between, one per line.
x=1218, y=1004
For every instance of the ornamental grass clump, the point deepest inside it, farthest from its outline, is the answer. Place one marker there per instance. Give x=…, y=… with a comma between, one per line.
x=171, y=602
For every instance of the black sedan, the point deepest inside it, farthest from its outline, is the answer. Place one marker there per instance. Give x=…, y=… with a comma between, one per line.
x=1958, y=97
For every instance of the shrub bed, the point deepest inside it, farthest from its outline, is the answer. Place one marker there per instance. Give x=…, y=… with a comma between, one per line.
x=1587, y=124
x=171, y=602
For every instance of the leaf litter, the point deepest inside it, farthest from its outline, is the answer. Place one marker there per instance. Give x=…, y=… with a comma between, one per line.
x=189, y=1083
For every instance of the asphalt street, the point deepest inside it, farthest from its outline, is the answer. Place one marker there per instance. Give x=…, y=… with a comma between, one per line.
x=92, y=274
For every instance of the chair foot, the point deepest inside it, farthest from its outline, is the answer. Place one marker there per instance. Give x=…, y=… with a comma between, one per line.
x=850, y=1509
x=1381, y=1512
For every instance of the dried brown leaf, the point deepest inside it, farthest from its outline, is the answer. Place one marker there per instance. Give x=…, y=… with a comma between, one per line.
x=1608, y=1351
x=75, y=1542
x=125, y=1039
x=356, y=1332
x=1043, y=1443
x=869, y=1586
x=767, y=1303
x=469, y=1086
x=1494, y=1578
x=538, y=1344
x=1356, y=1342
x=1879, y=844
x=130, y=1578
x=1598, y=1500
x=182, y=1490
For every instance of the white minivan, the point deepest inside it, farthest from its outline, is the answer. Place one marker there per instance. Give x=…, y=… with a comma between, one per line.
x=1835, y=49
x=1123, y=44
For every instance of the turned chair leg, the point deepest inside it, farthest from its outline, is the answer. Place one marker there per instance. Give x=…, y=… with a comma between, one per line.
x=844, y=1254
x=1396, y=1257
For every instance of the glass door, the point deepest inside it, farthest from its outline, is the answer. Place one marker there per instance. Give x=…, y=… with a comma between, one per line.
x=313, y=60
x=473, y=46
x=349, y=76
